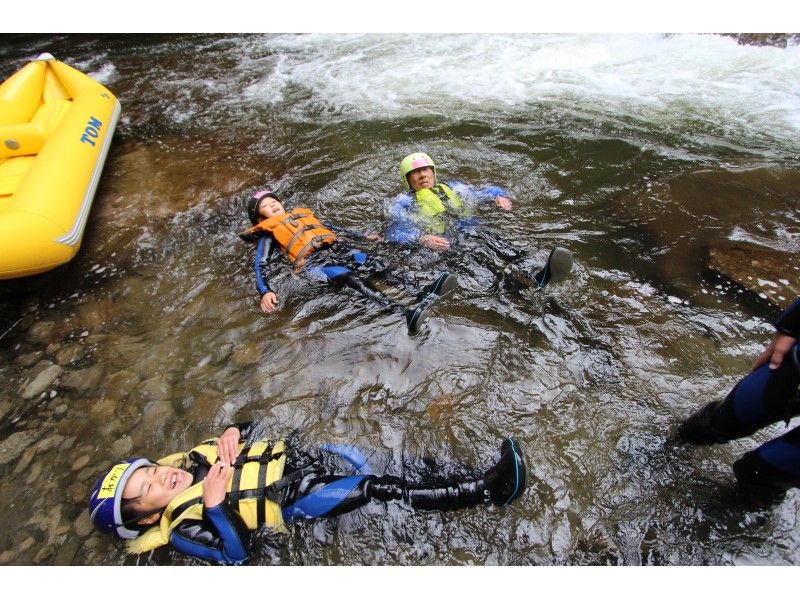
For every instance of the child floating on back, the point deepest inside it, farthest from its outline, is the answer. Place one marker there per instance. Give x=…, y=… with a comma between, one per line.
x=205, y=502
x=320, y=249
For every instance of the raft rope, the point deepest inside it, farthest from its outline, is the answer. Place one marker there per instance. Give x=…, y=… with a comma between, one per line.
x=10, y=328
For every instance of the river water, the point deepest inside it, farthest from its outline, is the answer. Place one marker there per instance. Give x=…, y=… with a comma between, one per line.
x=637, y=152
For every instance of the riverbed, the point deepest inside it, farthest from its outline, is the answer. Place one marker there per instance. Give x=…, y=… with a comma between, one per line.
x=636, y=152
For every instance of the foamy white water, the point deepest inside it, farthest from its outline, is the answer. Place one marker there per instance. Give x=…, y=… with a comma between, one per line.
x=696, y=85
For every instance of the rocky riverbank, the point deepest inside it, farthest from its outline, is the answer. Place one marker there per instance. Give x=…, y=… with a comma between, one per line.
x=770, y=274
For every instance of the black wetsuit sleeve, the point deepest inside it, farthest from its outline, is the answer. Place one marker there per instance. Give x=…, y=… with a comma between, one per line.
x=265, y=250
x=220, y=537
x=789, y=321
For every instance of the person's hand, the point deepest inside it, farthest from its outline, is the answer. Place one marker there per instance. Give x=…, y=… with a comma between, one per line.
x=781, y=344
x=269, y=302
x=374, y=237
x=215, y=485
x=228, y=445
x=434, y=242
x=503, y=202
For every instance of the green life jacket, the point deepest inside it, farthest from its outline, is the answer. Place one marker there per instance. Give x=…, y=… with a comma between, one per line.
x=435, y=204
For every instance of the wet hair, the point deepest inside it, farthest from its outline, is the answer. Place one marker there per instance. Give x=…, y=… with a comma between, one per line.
x=131, y=514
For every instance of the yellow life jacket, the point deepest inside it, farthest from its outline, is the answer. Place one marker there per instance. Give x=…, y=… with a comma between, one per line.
x=297, y=232
x=258, y=466
x=436, y=202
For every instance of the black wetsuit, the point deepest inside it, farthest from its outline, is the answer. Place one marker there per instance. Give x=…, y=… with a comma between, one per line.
x=308, y=491
x=760, y=399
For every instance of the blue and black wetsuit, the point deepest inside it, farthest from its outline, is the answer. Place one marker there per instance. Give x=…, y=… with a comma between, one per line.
x=760, y=399
x=308, y=491
x=409, y=220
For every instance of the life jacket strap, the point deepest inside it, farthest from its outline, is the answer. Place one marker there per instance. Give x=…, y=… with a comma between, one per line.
x=178, y=510
x=261, y=503
x=246, y=457
x=449, y=208
x=315, y=243
x=299, y=232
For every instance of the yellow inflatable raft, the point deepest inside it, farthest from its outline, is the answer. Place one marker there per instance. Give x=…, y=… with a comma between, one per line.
x=56, y=126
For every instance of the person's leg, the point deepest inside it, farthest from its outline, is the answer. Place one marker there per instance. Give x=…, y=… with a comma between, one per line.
x=337, y=264
x=415, y=316
x=773, y=467
x=761, y=398
x=522, y=272
x=500, y=248
x=317, y=495
x=345, y=276
x=502, y=483
x=363, y=263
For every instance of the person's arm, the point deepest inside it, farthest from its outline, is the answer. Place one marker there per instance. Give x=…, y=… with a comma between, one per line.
x=402, y=229
x=340, y=231
x=245, y=429
x=221, y=536
x=262, y=267
x=492, y=193
x=228, y=441
x=498, y=195
x=787, y=332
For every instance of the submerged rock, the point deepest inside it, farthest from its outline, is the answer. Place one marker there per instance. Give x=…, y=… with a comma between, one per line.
x=83, y=380
x=49, y=443
x=8, y=557
x=42, y=380
x=772, y=275
x=122, y=447
x=34, y=471
x=119, y=385
x=247, y=353
x=81, y=462
x=44, y=554
x=25, y=460
x=26, y=360
x=13, y=446
x=43, y=332
x=66, y=553
x=155, y=389
x=156, y=414
x=69, y=353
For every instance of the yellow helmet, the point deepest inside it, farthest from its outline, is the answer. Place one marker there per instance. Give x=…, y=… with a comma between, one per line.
x=412, y=162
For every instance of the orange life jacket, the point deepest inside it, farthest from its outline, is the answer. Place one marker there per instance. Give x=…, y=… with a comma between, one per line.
x=297, y=232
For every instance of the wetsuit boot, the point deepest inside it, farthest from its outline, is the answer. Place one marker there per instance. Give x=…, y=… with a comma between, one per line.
x=760, y=399
x=439, y=288
x=416, y=317
x=501, y=484
x=760, y=479
x=771, y=469
x=714, y=423
x=557, y=268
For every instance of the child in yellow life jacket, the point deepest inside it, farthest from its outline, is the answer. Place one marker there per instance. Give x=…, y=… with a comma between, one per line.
x=310, y=245
x=205, y=502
